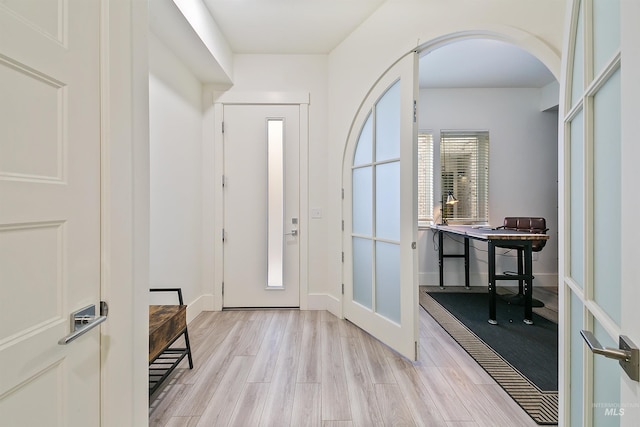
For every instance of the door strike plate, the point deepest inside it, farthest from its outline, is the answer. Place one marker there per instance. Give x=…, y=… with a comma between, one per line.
x=630, y=365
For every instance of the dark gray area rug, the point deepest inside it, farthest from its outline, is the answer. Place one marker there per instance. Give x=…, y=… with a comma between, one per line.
x=520, y=342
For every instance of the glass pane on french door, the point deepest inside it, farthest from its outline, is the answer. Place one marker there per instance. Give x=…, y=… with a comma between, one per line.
x=375, y=244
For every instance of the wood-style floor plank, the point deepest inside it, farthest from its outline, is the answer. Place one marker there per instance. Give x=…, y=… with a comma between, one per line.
x=279, y=401
x=267, y=355
x=220, y=408
x=309, y=370
x=334, y=382
x=182, y=422
x=422, y=406
x=306, y=405
x=361, y=394
x=248, y=410
x=393, y=408
x=292, y=368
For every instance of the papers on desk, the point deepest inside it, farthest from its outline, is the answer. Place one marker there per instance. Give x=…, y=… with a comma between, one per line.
x=483, y=227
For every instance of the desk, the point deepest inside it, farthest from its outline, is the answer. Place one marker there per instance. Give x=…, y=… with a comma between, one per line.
x=493, y=237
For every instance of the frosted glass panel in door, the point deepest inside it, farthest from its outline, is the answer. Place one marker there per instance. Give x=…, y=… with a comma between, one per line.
x=577, y=200
x=364, y=150
x=607, y=197
x=576, y=365
x=363, y=201
x=606, y=383
x=606, y=32
x=362, y=271
x=275, y=202
x=387, y=120
x=577, y=78
x=388, y=201
x=388, y=280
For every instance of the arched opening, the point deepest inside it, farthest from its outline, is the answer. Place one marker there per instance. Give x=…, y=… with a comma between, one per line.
x=517, y=114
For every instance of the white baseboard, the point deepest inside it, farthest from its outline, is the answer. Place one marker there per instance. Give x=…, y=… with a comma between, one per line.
x=202, y=303
x=325, y=302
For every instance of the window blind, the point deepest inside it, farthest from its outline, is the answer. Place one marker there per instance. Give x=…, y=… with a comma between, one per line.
x=425, y=177
x=464, y=160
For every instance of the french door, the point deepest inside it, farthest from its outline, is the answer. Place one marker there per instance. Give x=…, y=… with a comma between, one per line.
x=380, y=214
x=599, y=260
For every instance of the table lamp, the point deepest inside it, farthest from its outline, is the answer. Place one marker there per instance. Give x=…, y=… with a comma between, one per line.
x=451, y=200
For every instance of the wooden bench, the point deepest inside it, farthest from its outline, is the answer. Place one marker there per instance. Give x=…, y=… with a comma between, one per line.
x=167, y=323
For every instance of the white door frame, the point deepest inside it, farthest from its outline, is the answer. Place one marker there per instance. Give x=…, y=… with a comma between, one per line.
x=125, y=212
x=213, y=160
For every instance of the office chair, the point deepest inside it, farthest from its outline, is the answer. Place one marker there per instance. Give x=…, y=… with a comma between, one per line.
x=533, y=225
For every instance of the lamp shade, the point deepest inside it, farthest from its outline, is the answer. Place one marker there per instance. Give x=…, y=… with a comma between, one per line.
x=451, y=199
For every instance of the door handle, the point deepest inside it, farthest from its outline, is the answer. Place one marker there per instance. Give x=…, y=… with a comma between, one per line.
x=83, y=320
x=292, y=233
x=627, y=354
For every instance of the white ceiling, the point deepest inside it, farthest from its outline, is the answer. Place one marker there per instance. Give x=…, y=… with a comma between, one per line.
x=318, y=26
x=289, y=26
x=482, y=63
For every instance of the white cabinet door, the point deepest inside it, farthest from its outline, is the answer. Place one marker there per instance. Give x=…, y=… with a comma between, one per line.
x=49, y=210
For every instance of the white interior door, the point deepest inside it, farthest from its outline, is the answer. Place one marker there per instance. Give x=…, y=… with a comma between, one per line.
x=49, y=210
x=380, y=212
x=261, y=206
x=600, y=257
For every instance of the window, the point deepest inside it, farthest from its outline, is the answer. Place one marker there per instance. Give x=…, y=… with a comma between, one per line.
x=464, y=162
x=425, y=177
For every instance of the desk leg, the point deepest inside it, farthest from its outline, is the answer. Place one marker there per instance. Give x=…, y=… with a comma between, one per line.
x=441, y=258
x=528, y=286
x=492, y=283
x=466, y=262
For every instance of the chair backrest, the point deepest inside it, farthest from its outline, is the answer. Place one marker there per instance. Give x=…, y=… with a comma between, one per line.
x=531, y=224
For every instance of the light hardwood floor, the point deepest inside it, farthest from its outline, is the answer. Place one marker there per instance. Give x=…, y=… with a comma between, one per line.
x=309, y=368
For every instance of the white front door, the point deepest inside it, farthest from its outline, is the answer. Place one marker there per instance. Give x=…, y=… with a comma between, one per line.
x=262, y=223
x=49, y=210
x=380, y=212
x=599, y=261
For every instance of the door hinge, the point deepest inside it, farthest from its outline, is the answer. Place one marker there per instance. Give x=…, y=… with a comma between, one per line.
x=343, y=225
x=342, y=256
x=223, y=235
x=343, y=194
x=416, y=356
x=224, y=181
x=415, y=111
x=413, y=245
x=343, y=289
x=222, y=127
x=222, y=288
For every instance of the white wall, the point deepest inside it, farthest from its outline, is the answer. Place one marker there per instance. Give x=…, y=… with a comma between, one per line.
x=175, y=121
x=523, y=173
